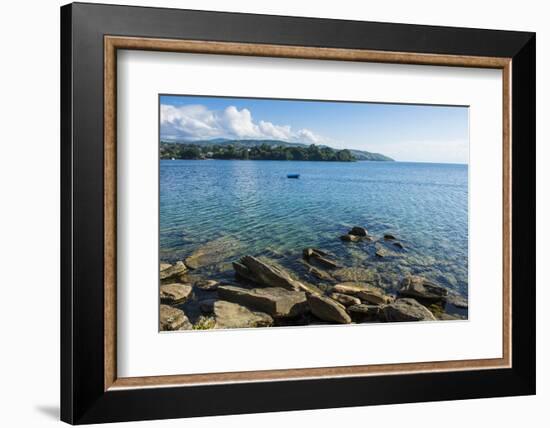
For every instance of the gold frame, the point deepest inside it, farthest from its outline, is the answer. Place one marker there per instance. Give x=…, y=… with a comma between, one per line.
x=113, y=43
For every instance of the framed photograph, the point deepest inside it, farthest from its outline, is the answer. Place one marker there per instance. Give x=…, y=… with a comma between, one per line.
x=266, y=213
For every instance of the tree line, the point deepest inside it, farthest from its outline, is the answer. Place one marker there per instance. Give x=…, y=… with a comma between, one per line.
x=261, y=152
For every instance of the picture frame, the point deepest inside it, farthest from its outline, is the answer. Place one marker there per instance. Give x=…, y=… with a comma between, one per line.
x=91, y=35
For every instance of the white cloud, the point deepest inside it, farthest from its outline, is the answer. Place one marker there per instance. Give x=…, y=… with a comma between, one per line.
x=197, y=122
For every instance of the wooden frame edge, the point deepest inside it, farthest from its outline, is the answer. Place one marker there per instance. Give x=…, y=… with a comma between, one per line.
x=112, y=43
x=109, y=198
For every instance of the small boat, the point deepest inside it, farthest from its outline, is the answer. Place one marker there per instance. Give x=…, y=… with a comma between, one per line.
x=293, y=176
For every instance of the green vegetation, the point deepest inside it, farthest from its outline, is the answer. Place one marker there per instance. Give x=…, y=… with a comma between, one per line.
x=204, y=323
x=263, y=151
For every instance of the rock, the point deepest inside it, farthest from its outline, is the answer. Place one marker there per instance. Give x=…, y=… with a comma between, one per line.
x=457, y=301
x=363, y=312
x=389, y=237
x=364, y=292
x=275, y=301
x=328, y=310
x=406, y=310
x=398, y=245
x=175, y=270
x=268, y=275
x=381, y=252
x=351, y=288
x=173, y=319
x=358, y=231
x=207, y=306
x=319, y=273
x=164, y=266
x=419, y=287
x=356, y=274
x=214, y=252
x=449, y=317
x=206, y=284
x=345, y=299
x=350, y=238
x=374, y=296
x=231, y=315
x=319, y=256
x=173, y=294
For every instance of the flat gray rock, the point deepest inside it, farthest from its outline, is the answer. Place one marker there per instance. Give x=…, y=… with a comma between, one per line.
x=365, y=292
x=345, y=299
x=406, y=310
x=269, y=275
x=419, y=287
x=206, y=284
x=327, y=309
x=275, y=301
x=172, y=319
x=231, y=315
x=173, y=294
x=174, y=270
x=164, y=266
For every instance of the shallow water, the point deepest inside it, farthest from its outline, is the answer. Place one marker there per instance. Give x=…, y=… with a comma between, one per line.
x=257, y=210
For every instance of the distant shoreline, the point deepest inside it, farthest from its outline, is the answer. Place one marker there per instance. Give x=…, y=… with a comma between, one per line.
x=296, y=160
x=262, y=150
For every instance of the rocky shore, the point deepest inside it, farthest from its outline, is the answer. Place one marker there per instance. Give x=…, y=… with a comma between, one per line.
x=265, y=294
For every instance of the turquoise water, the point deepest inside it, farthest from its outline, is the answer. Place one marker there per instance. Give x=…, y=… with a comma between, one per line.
x=253, y=208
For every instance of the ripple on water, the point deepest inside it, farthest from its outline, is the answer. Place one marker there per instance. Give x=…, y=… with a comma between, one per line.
x=424, y=205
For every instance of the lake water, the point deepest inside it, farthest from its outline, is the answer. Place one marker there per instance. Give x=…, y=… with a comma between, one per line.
x=253, y=208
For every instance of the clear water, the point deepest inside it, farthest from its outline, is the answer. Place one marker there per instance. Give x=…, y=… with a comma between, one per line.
x=261, y=212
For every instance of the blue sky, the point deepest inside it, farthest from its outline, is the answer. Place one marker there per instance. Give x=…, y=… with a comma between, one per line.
x=418, y=133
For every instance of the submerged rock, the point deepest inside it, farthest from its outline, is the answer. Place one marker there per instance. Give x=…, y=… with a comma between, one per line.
x=406, y=310
x=231, y=315
x=350, y=238
x=421, y=288
x=206, y=284
x=327, y=309
x=449, y=317
x=173, y=294
x=173, y=319
x=275, y=301
x=319, y=256
x=356, y=274
x=269, y=275
x=389, y=236
x=398, y=245
x=174, y=270
x=214, y=252
x=345, y=299
x=358, y=231
x=457, y=301
x=381, y=251
x=318, y=273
